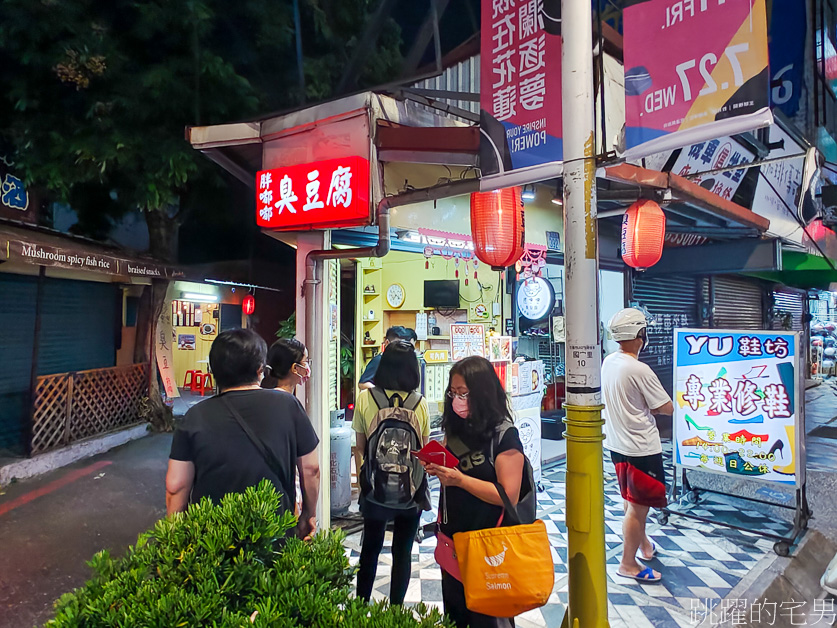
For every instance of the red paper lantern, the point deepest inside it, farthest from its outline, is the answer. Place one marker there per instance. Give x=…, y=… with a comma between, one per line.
x=248, y=305
x=497, y=226
x=643, y=232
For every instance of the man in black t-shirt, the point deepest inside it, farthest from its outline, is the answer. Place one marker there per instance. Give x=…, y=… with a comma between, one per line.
x=398, y=332
x=212, y=455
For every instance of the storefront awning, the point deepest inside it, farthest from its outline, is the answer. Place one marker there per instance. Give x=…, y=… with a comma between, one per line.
x=53, y=249
x=802, y=270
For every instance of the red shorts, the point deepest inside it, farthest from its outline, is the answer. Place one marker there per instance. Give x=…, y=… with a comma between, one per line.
x=642, y=479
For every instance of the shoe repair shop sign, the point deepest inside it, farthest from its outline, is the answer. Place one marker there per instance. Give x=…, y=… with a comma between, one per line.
x=737, y=403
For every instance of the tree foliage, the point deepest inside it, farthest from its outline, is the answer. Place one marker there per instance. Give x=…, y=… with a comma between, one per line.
x=227, y=566
x=97, y=93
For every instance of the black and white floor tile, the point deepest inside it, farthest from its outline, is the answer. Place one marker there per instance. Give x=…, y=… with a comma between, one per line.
x=700, y=563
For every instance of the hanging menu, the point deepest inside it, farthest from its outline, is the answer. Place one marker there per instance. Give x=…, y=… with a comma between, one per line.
x=467, y=340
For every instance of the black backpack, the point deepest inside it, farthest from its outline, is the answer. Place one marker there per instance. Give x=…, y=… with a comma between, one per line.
x=391, y=476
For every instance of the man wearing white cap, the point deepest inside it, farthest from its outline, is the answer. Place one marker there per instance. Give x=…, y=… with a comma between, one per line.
x=632, y=394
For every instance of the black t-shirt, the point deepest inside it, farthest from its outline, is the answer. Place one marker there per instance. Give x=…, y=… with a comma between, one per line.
x=465, y=512
x=225, y=459
x=370, y=370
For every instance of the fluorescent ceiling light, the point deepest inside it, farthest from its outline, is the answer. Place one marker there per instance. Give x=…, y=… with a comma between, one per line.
x=194, y=296
x=528, y=193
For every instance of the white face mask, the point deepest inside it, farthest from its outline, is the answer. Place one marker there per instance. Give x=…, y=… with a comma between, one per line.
x=307, y=372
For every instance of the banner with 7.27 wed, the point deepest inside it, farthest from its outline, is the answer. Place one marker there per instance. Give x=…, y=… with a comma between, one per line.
x=695, y=70
x=738, y=403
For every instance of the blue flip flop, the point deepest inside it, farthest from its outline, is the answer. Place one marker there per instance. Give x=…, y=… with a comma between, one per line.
x=646, y=575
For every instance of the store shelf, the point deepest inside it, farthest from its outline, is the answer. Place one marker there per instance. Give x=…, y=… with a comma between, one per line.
x=437, y=338
x=371, y=294
x=371, y=320
x=371, y=270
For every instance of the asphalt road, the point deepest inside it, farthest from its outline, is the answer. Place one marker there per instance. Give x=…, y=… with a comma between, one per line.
x=50, y=526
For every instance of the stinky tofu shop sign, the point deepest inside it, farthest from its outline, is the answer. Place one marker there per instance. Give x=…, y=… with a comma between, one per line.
x=324, y=194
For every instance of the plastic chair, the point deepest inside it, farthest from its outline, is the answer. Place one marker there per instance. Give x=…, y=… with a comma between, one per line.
x=191, y=379
x=203, y=384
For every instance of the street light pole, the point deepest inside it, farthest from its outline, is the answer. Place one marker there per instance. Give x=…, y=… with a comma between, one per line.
x=585, y=478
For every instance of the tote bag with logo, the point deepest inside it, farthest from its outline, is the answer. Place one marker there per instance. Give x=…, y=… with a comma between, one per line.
x=505, y=571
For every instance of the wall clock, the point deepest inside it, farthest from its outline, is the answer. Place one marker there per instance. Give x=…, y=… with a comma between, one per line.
x=396, y=295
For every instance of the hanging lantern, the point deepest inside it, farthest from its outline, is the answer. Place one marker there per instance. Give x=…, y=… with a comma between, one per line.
x=643, y=232
x=497, y=227
x=248, y=305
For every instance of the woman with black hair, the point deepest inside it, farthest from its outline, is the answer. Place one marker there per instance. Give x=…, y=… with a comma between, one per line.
x=287, y=365
x=478, y=430
x=398, y=377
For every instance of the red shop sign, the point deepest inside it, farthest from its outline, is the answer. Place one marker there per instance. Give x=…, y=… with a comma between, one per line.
x=332, y=193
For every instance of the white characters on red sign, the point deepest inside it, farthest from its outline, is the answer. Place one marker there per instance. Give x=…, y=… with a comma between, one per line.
x=265, y=196
x=776, y=402
x=286, y=196
x=531, y=55
x=533, y=91
x=719, y=396
x=504, y=68
x=503, y=33
x=501, y=6
x=693, y=395
x=505, y=103
x=530, y=18
x=745, y=397
x=312, y=192
x=340, y=190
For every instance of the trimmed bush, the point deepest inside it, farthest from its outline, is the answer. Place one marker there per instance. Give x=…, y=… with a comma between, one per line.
x=230, y=565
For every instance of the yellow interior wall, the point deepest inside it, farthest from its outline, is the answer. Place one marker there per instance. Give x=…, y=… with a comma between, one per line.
x=189, y=360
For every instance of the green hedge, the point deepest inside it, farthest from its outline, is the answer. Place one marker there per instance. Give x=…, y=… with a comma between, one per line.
x=230, y=565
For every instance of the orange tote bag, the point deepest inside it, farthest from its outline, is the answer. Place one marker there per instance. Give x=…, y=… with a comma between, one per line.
x=505, y=571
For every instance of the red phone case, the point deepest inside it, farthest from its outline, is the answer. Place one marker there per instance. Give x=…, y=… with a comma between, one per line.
x=436, y=453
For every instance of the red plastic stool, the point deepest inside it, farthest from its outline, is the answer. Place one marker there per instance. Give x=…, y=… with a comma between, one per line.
x=203, y=384
x=191, y=379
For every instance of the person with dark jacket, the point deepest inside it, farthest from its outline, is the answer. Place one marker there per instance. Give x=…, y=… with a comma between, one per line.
x=212, y=454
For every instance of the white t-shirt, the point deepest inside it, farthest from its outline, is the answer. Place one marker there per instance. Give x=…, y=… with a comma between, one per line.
x=630, y=389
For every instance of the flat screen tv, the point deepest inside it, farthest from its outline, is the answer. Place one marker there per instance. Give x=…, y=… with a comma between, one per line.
x=441, y=293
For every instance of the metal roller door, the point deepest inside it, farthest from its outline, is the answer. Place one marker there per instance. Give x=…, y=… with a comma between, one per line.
x=79, y=320
x=789, y=304
x=17, y=327
x=673, y=302
x=737, y=303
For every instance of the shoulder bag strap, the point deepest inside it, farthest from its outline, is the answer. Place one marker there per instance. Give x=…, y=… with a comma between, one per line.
x=266, y=454
x=508, y=508
x=412, y=401
x=379, y=397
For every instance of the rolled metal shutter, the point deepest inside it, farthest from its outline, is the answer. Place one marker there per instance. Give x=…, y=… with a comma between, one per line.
x=792, y=302
x=738, y=303
x=17, y=328
x=673, y=302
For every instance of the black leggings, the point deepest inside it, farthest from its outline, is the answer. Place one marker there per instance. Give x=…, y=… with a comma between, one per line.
x=404, y=533
x=453, y=595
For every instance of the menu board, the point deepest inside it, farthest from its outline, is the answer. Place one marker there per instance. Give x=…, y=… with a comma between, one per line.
x=467, y=339
x=737, y=403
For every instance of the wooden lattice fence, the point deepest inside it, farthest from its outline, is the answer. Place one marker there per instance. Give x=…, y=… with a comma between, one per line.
x=72, y=406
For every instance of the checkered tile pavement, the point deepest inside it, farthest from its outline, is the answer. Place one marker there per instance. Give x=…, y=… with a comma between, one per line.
x=700, y=563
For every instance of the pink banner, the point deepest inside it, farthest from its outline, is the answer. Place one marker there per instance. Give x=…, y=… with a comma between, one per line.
x=694, y=70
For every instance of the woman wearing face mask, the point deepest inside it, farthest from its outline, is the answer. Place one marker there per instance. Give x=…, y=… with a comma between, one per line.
x=476, y=422
x=287, y=365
